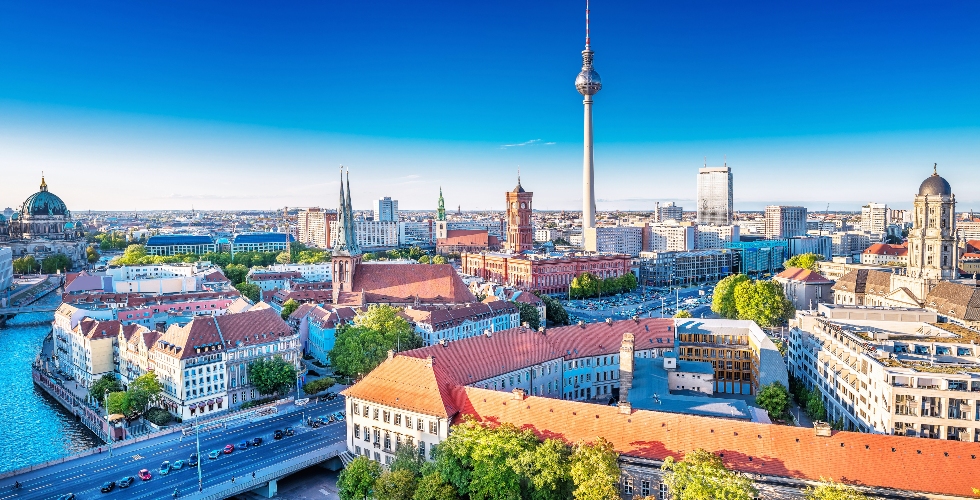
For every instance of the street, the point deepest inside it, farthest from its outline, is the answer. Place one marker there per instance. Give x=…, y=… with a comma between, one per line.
x=84, y=475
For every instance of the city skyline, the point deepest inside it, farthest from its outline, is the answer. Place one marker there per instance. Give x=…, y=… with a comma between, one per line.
x=848, y=108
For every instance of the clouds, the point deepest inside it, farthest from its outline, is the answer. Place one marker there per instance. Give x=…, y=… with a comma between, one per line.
x=532, y=142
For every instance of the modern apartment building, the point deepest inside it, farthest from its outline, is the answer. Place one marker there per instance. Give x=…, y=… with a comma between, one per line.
x=6, y=268
x=875, y=218
x=542, y=273
x=670, y=236
x=716, y=236
x=785, y=222
x=668, y=211
x=890, y=371
x=715, y=205
x=626, y=240
x=416, y=233
x=175, y=244
x=372, y=234
x=673, y=268
x=308, y=272
x=313, y=226
x=260, y=242
x=386, y=210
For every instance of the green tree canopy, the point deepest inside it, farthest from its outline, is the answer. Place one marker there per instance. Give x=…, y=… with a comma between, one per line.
x=250, y=290
x=723, y=302
x=831, y=490
x=288, y=308
x=26, y=265
x=92, y=255
x=682, y=313
x=359, y=348
x=438, y=259
x=236, y=273
x=424, y=259
x=763, y=302
x=702, y=475
x=554, y=311
x=395, y=485
x=58, y=262
x=283, y=258
x=105, y=383
x=119, y=403
x=272, y=375
x=529, y=315
x=804, y=261
x=774, y=398
x=547, y=468
x=433, y=486
x=319, y=385
x=595, y=471
x=143, y=390
x=407, y=458
x=356, y=481
x=585, y=285
x=628, y=282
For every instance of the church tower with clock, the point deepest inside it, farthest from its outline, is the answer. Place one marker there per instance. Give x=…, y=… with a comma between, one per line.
x=520, y=232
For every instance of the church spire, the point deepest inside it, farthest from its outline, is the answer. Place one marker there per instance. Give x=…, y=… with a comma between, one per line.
x=441, y=211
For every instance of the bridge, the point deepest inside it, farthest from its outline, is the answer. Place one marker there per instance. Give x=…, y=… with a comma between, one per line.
x=29, y=309
x=252, y=472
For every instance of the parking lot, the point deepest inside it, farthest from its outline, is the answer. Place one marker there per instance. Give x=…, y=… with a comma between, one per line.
x=650, y=303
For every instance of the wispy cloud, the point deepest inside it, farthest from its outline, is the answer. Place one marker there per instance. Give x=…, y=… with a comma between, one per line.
x=532, y=142
x=413, y=176
x=549, y=144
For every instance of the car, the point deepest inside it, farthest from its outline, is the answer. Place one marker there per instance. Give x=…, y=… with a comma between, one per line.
x=177, y=465
x=339, y=415
x=126, y=481
x=288, y=431
x=193, y=460
x=214, y=454
x=165, y=468
x=277, y=434
x=229, y=448
x=107, y=486
x=243, y=444
x=331, y=396
x=67, y=496
x=256, y=441
x=145, y=475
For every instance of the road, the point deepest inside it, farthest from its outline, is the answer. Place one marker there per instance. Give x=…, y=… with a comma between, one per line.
x=83, y=476
x=653, y=306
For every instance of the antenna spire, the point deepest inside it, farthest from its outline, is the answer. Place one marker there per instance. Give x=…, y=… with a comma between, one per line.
x=588, y=42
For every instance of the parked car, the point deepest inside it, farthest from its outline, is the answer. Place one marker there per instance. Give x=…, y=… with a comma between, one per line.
x=126, y=481
x=107, y=486
x=339, y=416
x=288, y=431
x=256, y=441
x=177, y=465
x=331, y=396
x=277, y=434
x=193, y=460
x=214, y=454
x=243, y=444
x=145, y=475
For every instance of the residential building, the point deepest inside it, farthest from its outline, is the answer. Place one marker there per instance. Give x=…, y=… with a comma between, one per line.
x=716, y=236
x=386, y=210
x=260, y=242
x=93, y=351
x=315, y=273
x=371, y=234
x=820, y=245
x=875, y=218
x=672, y=268
x=883, y=254
x=133, y=345
x=176, y=244
x=968, y=230
x=743, y=356
x=272, y=280
x=785, y=222
x=670, y=236
x=626, y=240
x=668, y=211
x=420, y=234
x=444, y=324
x=317, y=328
x=6, y=269
x=313, y=226
x=890, y=371
x=149, y=310
x=957, y=303
x=849, y=243
x=970, y=258
x=495, y=227
x=715, y=206
x=520, y=232
x=759, y=257
x=805, y=288
x=541, y=273
x=549, y=234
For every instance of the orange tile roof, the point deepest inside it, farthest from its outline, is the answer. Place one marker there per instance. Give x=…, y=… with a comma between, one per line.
x=408, y=383
x=886, y=249
x=430, y=283
x=877, y=460
x=804, y=275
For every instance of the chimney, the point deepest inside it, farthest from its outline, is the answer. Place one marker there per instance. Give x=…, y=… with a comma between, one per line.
x=626, y=367
x=430, y=361
x=391, y=353
x=519, y=394
x=609, y=321
x=821, y=429
x=625, y=408
x=581, y=324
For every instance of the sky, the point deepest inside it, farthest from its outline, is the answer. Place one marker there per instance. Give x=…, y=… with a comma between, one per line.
x=255, y=105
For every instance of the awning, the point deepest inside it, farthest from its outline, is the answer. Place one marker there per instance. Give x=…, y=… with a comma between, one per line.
x=116, y=416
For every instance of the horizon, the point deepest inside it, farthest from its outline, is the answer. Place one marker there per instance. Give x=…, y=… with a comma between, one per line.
x=253, y=107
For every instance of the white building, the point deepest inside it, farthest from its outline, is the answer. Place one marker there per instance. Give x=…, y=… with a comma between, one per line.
x=669, y=236
x=444, y=324
x=626, y=240
x=785, y=222
x=715, y=196
x=309, y=272
x=313, y=227
x=668, y=211
x=709, y=237
x=412, y=233
x=386, y=210
x=875, y=217
x=6, y=269
x=372, y=234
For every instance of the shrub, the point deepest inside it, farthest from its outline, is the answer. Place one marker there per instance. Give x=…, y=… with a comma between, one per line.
x=318, y=385
x=159, y=416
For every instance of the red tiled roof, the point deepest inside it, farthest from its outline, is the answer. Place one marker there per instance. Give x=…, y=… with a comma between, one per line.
x=916, y=464
x=886, y=249
x=408, y=383
x=431, y=283
x=465, y=237
x=804, y=275
x=95, y=329
x=442, y=317
x=301, y=311
x=216, y=277
x=252, y=327
x=973, y=246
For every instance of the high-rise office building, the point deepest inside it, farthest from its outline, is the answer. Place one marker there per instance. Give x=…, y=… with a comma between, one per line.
x=386, y=210
x=715, y=196
x=313, y=226
x=669, y=211
x=785, y=222
x=875, y=218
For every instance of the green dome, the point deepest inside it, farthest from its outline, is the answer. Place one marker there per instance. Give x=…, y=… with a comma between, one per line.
x=44, y=203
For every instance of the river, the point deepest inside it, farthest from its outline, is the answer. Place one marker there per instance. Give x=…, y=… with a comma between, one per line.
x=35, y=427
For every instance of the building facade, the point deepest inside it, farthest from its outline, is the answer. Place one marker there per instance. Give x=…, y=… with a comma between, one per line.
x=715, y=207
x=520, y=231
x=261, y=242
x=785, y=222
x=313, y=226
x=805, y=288
x=6, y=270
x=716, y=236
x=386, y=210
x=626, y=240
x=541, y=273
x=176, y=244
x=673, y=268
x=371, y=234
x=875, y=218
x=668, y=211
x=43, y=227
x=441, y=324
x=933, y=251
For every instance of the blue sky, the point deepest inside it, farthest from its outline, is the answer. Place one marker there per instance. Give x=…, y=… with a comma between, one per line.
x=133, y=105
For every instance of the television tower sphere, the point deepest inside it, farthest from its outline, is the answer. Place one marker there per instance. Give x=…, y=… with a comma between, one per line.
x=588, y=82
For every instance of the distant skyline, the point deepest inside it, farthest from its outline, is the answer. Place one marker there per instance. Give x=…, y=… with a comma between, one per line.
x=254, y=106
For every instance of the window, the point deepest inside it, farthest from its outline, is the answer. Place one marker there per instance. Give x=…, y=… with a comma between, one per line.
x=421, y=425
x=375, y=413
x=357, y=431
x=664, y=492
x=357, y=409
x=422, y=449
x=628, y=486
x=398, y=419
x=645, y=488
x=408, y=421
x=387, y=416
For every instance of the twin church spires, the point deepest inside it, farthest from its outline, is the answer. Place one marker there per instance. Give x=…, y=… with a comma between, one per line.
x=346, y=236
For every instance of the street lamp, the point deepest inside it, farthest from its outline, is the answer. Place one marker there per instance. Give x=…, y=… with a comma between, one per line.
x=108, y=424
x=197, y=435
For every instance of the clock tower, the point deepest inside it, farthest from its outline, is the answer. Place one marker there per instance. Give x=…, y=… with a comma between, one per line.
x=520, y=233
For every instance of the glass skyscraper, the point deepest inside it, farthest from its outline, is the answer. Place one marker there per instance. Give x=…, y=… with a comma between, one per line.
x=715, y=196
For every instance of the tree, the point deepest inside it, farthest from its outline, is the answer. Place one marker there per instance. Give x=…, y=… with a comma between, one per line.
x=628, y=282
x=585, y=285
x=58, y=262
x=611, y=286
x=529, y=315
x=119, y=403
x=682, y=313
x=494, y=475
x=249, y=290
x=723, y=302
x=288, y=308
x=763, y=302
x=828, y=489
x=438, y=259
x=359, y=348
x=369, y=256
x=105, y=383
x=595, y=471
x=424, y=259
x=555, y=312
x=407, y=458
x=356, y=481
x=815, y=408
x=546, y=468
x=272, y=375
x=283, y=258
x=236, y=273
x=774, y=398
x=142, y=391
x=395, y=485
x=433, y=486
x=702, y=475
x=26, y=265
x=804, y=261
x=318, y=385
x=92, y=255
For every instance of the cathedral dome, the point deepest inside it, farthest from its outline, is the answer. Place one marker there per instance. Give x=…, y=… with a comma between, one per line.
x=934, y=185
x=44, y=203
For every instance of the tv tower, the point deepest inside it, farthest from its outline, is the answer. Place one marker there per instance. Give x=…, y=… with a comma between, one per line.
x=588, y=83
